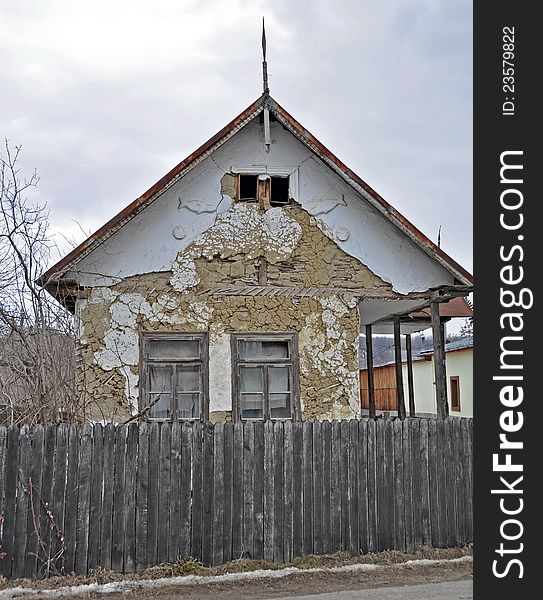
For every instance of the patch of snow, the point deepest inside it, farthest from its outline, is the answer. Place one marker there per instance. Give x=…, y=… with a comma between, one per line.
x=128, y=585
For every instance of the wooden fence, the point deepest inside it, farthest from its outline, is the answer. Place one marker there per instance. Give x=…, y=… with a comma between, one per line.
x=77, y=498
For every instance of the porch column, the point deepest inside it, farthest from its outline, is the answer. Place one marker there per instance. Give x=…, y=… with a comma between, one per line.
x=410, y=383
x=439, y=362
x=369, y=366
x=399, y=374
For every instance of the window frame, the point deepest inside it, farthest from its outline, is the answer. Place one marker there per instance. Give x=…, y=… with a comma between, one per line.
x=291, y=172
x=238, y=187
x=456, y=379
x=144, y=373
x=292, y=362
x=275, y=203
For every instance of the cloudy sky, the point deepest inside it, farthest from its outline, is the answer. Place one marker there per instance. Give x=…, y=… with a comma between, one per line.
x=106, y=96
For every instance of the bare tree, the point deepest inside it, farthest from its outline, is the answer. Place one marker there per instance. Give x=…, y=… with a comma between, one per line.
x=37, y=381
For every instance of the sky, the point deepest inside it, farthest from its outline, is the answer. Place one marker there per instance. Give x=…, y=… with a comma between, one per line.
x=106, y=96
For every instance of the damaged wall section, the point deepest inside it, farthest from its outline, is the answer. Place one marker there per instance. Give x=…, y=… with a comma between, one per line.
x=297, y=253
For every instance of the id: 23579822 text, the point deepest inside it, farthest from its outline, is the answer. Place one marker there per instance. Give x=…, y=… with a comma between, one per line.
x=508, y=70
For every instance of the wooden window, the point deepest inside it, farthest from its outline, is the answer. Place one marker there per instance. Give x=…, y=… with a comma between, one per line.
x=276, y=188
x=265, y=376
x=455, y=392
x=174, y=375
x=279, y=194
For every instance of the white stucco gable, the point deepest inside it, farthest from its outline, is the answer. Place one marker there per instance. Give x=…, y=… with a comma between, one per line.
x=151, y=231
x=151, y=241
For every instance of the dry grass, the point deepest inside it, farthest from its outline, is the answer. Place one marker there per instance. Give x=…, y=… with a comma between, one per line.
x=191, y=566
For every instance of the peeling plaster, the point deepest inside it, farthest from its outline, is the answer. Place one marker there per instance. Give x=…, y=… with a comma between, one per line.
x=325, y=350
x=328, y=328
x=244, y=229
x=120, y=343
x=220, y=371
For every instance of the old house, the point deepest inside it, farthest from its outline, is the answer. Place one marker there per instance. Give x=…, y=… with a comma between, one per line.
x=236, y=287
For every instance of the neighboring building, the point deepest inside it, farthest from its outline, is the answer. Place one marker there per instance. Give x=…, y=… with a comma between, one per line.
x=236, y=287
x=459, y=366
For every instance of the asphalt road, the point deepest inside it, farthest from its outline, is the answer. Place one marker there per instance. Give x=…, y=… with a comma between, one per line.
x=445, y=590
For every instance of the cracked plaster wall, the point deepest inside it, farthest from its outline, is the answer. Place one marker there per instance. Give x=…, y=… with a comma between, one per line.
x=298, y=253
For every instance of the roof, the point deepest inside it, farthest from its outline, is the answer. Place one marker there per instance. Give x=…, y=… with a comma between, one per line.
x=456, y=307
x=465, y=343
x=308, y=139
x=462, y=344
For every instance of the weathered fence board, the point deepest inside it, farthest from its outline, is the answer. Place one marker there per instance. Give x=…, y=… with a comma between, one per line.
x=118, y=500
x=70, y=515
x=228, y=458
x=141, y=496
x=75, y=498
x=38, y=439
x=129, y=546
x=185, y=490
x=371, y=486
x=237, y=495
x=164, y=491
x=207, y=495
x=108, y=450
x=287, y=491
x=57, y=504
x=10, y=485
x=83, y=501
x=21, y=512
x=326, y=434
x=258, y=522
x=218, y=494
x=278, y=549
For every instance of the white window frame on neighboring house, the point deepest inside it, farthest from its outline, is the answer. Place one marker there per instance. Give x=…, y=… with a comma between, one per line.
x=456, y=379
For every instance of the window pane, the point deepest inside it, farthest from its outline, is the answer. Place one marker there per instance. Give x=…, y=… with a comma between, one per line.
x=255, y=349
x=251, y=380
x=160, y=391
x=174, y=349
x=252, y=406
x=280, y=406
x=188, y=405
x=160, y=379
x=247, y=187
x=188, y=379
x=279, y=191
x=278, y=379
x=455, y=393
x=161, y=408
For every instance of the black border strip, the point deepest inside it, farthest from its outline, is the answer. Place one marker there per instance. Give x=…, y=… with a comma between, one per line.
x=507, y=261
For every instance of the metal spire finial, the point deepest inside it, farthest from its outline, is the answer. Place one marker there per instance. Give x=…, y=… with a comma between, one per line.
x=264, y=63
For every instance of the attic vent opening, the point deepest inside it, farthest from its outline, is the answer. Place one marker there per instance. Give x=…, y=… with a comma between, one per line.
x=247, y=187
x=267, y=190
x=279, y=191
